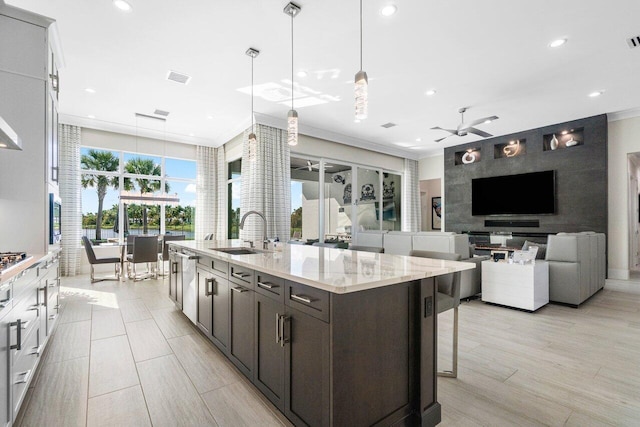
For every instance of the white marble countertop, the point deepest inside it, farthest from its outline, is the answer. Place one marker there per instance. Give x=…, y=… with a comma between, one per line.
x=335, y=270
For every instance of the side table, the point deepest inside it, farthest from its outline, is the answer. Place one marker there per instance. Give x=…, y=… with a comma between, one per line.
x=524, y=286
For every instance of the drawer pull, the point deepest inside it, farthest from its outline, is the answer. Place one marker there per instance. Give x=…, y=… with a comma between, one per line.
x=267, y=285
x=239, y=289
x=26, y=376
x=53, y=317
x=210, y=282
x=6, y=302
x=18, y=344
x=301, y=298
x=35, y=351
x=240, y=275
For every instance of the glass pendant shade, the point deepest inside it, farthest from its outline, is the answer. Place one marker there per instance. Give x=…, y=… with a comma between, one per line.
x=362, y=95
x=292, y=127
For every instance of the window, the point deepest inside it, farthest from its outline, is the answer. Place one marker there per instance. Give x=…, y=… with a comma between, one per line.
x=235, y=197
x=157, y=194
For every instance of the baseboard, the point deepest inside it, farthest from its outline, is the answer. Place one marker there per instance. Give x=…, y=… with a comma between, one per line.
x=618, y=273
x=622, y=286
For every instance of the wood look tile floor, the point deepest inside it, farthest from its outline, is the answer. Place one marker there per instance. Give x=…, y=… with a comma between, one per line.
x=123, y=356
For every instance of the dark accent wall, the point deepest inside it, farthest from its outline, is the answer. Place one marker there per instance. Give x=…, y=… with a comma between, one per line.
x=581, y=179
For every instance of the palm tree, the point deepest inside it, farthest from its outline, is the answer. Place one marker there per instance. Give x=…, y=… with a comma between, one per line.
x=141, y=166
x=99, y=161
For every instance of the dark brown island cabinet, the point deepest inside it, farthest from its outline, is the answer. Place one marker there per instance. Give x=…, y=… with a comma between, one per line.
x=325, y=359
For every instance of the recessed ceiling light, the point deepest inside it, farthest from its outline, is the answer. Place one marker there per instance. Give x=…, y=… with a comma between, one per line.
x=91, y=116
x=388, y=10
x=89, y=90
x=417, y=147
x=596, y=94
x=191, y=134
x=356, y=120
x=430, y=92
x=122, y=5
x=302, y=73
x=209, y=117
x=418, y=139
x=2, y=145
x=564, y=132
x=557, y=43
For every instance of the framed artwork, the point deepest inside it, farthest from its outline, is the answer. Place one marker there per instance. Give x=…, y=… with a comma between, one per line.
x=436, y=213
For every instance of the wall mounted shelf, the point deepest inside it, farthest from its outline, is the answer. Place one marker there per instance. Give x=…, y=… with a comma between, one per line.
x=468, y=156
x=509, y=149
x=567, y=138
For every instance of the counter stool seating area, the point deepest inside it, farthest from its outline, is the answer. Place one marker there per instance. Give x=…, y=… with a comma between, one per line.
x=93, y=260
x=448, y=298
x=402, y=243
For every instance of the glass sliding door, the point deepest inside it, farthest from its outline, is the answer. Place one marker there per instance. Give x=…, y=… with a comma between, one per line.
x=390, y=211
x=339, y=196
x=305, y=194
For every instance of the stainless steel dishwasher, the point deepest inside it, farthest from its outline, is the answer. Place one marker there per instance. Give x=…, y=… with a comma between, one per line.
x=183, y=288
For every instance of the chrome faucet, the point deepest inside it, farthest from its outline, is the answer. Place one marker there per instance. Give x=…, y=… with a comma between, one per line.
x=265, y=241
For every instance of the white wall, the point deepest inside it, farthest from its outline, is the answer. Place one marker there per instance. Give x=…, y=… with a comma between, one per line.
x=624, y=138
x=430, y=168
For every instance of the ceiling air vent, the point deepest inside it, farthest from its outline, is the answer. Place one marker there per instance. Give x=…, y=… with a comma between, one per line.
x=388, y=125
x=161, y=113
x=178, y=77
x=634, y=42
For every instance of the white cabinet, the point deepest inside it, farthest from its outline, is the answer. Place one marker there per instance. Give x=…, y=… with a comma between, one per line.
x=524, y=286
x=29, y=105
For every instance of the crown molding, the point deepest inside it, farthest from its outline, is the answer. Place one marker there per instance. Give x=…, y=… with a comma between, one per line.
x=625, y=114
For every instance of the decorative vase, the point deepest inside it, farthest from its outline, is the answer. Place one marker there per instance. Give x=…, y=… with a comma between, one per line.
x=554, y=142
x=571, y=142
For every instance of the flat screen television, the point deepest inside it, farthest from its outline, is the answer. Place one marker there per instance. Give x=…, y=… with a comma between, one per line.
x=522, y=194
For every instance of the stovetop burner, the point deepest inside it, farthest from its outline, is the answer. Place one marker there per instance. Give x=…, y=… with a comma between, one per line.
x=8, y=260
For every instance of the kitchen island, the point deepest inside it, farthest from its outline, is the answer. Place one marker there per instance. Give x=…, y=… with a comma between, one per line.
x=331, y=337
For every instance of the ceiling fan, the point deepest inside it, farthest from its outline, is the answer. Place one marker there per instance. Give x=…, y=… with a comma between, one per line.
x=310, y=166
x=464, y=128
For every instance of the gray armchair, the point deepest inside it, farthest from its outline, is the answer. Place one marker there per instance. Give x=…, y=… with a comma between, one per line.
x=93, y=260
x=145, y=250
x=575, y=266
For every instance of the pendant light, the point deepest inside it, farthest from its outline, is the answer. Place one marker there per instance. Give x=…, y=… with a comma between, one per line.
x=253, y=140
x=361, y=84
x=292, y=10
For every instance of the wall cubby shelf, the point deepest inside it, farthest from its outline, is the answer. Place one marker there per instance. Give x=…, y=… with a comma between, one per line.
x=567, y=138
x=468, y=156
x=514, y=148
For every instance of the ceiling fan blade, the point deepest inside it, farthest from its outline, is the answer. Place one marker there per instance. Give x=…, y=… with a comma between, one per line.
x=479, y=132
x=478, y=121
x=451, y=131
x=438, y=140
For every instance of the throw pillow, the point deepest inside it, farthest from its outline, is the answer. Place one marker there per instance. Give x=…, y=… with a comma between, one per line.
x=542, y=248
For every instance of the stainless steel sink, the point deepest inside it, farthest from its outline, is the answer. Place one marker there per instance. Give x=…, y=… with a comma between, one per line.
x=237, y=251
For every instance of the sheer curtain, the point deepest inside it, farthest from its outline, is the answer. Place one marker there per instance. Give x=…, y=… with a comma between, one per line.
x=69, y=138
x=210, y=193
x=266, y=185
x=411, y=197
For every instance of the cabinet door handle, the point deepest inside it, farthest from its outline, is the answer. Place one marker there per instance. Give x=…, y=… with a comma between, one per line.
x=239, y=289
x=278, y=328
x=240, y=275
x=35, y=351
x=174, y=268
x=267, y=285
x=283, y=340
x=210, y=282
x=26, y=376
x=45, y=289
x=18, y=344
x=6, y=302
x=301, y=298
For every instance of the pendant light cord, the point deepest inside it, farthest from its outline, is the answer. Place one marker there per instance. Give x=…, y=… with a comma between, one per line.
x=360, y=35
x=252, y=57
x=292, y=61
